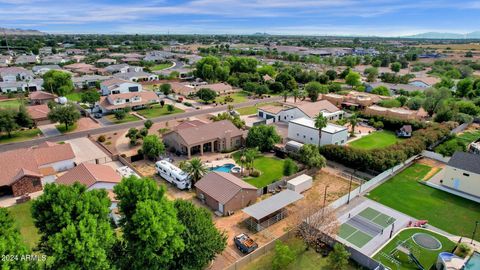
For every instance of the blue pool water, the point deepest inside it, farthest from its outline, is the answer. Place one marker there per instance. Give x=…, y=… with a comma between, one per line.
x=224, y=168
x=473, y=263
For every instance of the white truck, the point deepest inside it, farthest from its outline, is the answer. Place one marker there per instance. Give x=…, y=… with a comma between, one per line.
x=173, y=174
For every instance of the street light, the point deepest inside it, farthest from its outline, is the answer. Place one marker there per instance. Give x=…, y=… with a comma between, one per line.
x=474, y=231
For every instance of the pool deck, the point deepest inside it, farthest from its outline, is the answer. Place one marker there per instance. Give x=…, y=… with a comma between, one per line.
x=215, y=163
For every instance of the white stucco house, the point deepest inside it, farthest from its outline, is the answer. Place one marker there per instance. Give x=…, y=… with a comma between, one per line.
x=290, y=112
x=303, y=130
x=119, y=86
x=462, y=174
x=133, y=100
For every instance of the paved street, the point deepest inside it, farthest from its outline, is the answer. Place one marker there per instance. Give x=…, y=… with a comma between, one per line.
x=58, y=138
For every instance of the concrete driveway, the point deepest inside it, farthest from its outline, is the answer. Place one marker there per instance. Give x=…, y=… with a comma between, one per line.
x=49, y=130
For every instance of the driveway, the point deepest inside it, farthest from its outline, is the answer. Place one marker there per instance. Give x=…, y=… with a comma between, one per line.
x=49, y=130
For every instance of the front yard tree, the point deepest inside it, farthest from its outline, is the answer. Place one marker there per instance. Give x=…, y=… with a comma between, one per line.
x=120, y=114
x=7, y=122
x=352, y=79
x=152, y=146
x=166, y=89
x=338, y=258
x=22, y=118
x=90, y=96
x=320, y=122
x=58, y=82
x=195, y=169
x=311, y=157
x=148, y=124
x=207, y=95
x=263, y=137
x=64, y=114
x=202, y=239
x=170, y=108
x=11, y=242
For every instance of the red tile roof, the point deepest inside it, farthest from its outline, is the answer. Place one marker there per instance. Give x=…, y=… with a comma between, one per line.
x=41, y=95
x=38, y=111
x=89, y=174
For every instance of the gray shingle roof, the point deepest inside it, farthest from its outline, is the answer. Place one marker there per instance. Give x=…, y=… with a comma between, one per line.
x=465, y=161
x=222, y=186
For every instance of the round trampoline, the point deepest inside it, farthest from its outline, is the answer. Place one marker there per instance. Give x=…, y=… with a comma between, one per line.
x=427, y=241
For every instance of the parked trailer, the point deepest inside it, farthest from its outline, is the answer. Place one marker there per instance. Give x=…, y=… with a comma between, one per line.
x=173, y=174
x=300, y=183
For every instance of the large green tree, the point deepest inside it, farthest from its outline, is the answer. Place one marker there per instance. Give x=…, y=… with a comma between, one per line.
x=90, y=96
x=352, y=79
x=11, y=243
x=22, y=118
x=152, y=146
x=262, y=136
x=58, y=82
x=206, y=94
x=7, y=122
x=313, y=90
x=338, y=258
x=65, y=114
x=311, y=157
x=202, y=239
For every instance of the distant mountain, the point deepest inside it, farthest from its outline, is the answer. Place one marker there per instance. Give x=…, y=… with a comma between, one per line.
x=20, y=32
x=438, y=35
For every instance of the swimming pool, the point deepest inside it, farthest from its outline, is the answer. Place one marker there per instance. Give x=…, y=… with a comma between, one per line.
x=473, y=263
x=224, y=168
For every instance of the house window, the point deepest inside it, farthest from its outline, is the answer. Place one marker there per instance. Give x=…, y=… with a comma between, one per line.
x=304, y=136
x=466, y=174
x=298, y=134
x=36, y=183
x=311, y=138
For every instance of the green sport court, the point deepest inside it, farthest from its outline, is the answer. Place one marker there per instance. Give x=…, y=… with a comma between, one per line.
x=364, y=226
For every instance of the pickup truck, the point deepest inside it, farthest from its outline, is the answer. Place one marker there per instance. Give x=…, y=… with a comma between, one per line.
x=244, y=243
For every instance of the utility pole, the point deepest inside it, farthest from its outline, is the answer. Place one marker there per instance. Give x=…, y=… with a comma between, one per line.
x=350, y=187
x=474, y=231
x=324, y=200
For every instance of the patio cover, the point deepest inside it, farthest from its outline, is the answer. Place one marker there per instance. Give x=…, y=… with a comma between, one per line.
x=272, y=204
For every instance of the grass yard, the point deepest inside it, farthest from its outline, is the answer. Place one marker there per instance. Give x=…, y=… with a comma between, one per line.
x=62, y=129
x=74, y=96
x=426, y=257
x=238, y=97
x=161, y=66
x=448, y=212
x=128, y=118
x=156, y=111
x=305, y=260
x=12, y=104
x=253, y=109
x=375, y=140
x=465, y=138
x=21, y=135
x=271, y=169
x=23, y=218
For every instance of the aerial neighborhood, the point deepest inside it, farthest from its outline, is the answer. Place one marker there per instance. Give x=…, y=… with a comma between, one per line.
x=239, y=152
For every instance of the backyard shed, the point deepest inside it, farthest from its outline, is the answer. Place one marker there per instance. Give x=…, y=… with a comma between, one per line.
x=270, y=210
x=300, y=183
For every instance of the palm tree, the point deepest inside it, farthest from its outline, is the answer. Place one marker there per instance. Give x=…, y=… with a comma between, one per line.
x=353, y=123
x=250, y=156
x=195, y=169
x=320, y=122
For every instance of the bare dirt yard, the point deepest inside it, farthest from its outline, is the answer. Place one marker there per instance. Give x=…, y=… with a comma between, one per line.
x=435, y=165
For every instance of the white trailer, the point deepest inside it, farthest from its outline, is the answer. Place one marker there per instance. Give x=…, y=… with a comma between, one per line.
x=173, y=174
x=300, y=183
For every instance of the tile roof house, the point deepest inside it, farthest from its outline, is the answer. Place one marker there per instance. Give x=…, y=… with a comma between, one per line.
x=462, y=174
x=26, y=59
x=399, y=113
x=119, y=86
x=291, y=111
x=21, y=170
x=136, y=76
x=220, y=88
x=134, y=100
x=182, y=89
x=94, y=176
x=41, y=97
x=39, y=114
x=225, y=193
x=202, y=137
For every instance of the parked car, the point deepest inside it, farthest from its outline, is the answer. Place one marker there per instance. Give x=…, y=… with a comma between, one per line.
x=98, y=115
x=244, y=243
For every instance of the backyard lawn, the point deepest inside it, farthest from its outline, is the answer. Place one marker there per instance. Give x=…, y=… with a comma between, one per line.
x=378, y=139
x=448, y=212
x=21, y=135
x=465, y=138
x=304, y=260
x=10, y=104
x=253, y=109
x=74, y=96
x=426, y=257
x=271, y=170
x=128, y=118
x=23, y=218
x=161, y=66
x=156, y=111
x=238, y=97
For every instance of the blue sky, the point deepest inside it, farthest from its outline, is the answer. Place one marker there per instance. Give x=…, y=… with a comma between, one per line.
x=310, y=17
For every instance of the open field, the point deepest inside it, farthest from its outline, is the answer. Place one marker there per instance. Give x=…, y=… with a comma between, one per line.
x=426, y=257
x=128, y=118
x=461, y=47
x=161, y=66
x=21, y=135
x=238, y=97
x=378, y=139
x=406, y=194
x=23, y=218
x=156, y=111
x=12, y=104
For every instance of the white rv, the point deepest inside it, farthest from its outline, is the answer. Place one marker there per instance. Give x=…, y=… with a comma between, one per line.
x=173, y=174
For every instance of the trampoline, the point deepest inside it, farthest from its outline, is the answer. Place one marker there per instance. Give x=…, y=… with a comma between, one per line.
x=426, y=241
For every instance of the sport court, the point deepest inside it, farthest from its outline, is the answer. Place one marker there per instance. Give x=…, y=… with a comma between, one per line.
x=364, y=226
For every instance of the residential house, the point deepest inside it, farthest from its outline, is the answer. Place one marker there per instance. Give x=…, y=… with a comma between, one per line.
x=474, y=147
x=353, y=99
x=41, y=70
x=462, y=174
x=13, y=74
x=41, y=97
x=5, y=60
x=75, y=51
x=93, y=176
x=220, y=88
x=135, y=76
x=394, y=88
x=197, y=137
x=122, y=68
x=182, y=89
x=303, y=130
x=53, y=59
x=399, y=113
x=26, y=59
x=23, y=171
x=291, y=111
x=225, y=193
x=133, y=100
x=81, y=68
x=45, y=50
x=106, y=61
x=88, y=81
x=119, y=86
x=17, y=79
x=39, y=114
x=405, y=131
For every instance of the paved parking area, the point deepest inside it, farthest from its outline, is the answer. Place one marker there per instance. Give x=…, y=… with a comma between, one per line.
x=49, y=130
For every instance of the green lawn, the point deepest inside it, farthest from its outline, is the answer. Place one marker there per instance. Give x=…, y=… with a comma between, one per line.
x=22, y=215
x=253, y=109
x=128, y=118
x=21, y=135
x=238, y=97
x=448, y=212
x=61, y=128
x=161, y=66
x=156, y=111
x=305, y=260
x=426, y=257
x=465, y=138
x=377, y=139
x=271, y=169
x=10, y=104
x=74, y=96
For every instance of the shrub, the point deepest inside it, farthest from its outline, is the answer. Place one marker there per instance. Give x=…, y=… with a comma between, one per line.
x=283, y=256
x=289, y=167
x=463, y=250
x=378, y=125
x=188, y=104
x=101, y=138
x=255, y=173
